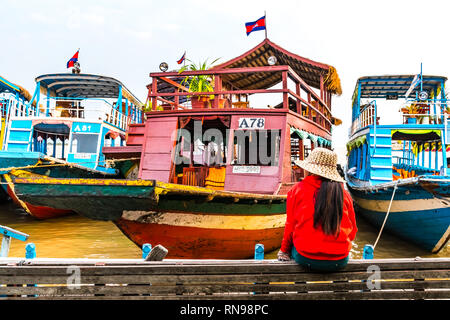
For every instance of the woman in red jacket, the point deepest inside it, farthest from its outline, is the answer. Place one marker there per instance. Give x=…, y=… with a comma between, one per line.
x=320, y=219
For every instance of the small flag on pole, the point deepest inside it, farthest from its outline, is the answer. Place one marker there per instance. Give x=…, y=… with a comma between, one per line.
x=72, y=60
x=182, y=58
x=257, y=25
x=416, y=81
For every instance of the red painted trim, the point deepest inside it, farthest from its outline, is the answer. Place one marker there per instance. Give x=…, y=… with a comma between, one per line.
x=308, y=124
x=201, y=243
x=214, y=71
x=122, y=152
x=174, y=94
x=39, y=212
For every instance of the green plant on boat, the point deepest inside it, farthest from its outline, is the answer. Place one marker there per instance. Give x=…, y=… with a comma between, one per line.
x=199, y=83
x=148, y=107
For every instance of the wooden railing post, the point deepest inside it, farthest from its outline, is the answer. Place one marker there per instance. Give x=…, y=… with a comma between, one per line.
x=217, y=88
x=154, y=93
x=298, y=101
x=285, y=91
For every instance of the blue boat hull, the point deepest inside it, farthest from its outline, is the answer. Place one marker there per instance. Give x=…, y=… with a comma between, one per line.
x=420, y=211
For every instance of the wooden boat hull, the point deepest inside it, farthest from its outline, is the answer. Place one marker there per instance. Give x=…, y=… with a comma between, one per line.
x=39, y=212
x=191, y=222
x=420, y=211
x=35, y=165
x=204, y=241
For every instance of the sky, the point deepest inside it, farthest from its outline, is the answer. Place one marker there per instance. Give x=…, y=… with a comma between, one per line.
x=127, y=40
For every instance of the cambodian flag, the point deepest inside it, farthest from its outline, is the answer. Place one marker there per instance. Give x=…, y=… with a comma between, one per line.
x=259, y=24
x=73, y=60
x=182, y=58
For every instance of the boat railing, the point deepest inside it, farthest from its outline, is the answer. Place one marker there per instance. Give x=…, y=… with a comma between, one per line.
x=296, y=94
x=10, y=103
x=82, y=108
x=414, y=111
x=367, y=117
x=428, y=111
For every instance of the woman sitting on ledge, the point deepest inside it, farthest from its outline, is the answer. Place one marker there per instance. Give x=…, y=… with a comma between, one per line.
x=320, y=219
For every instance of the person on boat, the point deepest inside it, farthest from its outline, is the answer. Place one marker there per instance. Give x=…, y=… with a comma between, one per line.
x=320, y=219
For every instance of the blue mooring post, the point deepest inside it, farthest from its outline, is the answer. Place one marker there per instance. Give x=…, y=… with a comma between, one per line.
x=368, y=251
x=30, y=251
x=146, y=248
x=259, y=251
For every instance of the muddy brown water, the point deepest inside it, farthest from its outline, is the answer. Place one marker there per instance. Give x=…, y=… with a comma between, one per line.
x=78, y=237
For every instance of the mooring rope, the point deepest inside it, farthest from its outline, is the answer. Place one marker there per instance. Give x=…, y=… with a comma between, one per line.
x=387, y=215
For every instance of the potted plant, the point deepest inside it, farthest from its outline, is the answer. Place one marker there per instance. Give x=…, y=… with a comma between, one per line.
x=413, y=110
x=199, y=83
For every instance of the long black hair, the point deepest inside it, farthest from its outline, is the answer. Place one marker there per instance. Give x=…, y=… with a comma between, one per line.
x=328, y=207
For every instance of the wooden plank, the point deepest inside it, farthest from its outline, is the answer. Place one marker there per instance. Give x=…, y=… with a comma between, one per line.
x=206, y=267
x=218, y=288
x=174, y=83
x=199, y=278
x=380, y=295
x=399, y=262
x=250, y=91
x=221, y=71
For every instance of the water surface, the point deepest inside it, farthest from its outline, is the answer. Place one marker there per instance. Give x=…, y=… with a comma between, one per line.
x=78, y=237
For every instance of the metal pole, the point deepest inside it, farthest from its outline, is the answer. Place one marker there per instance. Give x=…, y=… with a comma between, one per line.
x=265, y=23
x=421, y=80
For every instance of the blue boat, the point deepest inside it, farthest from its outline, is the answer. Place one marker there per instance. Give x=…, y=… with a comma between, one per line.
x=61, y=130
x=10, y=95
x=398, y=173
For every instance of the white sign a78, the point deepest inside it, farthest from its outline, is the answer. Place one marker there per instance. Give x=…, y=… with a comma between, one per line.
x=251, y=123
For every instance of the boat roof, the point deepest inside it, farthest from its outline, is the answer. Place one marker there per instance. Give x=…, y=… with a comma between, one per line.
x=310, y=71
x=7, y=86
x=394, y=85
x=84, y=85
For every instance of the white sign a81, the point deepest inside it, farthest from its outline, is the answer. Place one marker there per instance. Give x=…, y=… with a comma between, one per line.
x=251, y=123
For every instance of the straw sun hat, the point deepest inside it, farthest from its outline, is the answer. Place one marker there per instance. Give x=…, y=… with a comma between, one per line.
x=322, y=162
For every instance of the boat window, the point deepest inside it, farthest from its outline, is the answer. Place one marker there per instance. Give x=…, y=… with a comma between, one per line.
x=307, y=147
x=44, y=142
x=256, y=147
x=84, y=143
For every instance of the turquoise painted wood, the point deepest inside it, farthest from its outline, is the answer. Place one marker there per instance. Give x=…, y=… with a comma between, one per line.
x=259, y=251
x=368, y=251
x=380, y=156
x=146, y=248
x=9, y=233
x=30, y=251
x=19, y=136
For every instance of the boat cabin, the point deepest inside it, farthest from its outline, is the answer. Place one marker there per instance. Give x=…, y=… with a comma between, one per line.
x=416, y=144
x=265, y=109
x=71, y=116
x=12, y=96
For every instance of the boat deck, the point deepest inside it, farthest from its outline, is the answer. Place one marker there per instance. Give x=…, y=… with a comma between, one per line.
x=137, y=279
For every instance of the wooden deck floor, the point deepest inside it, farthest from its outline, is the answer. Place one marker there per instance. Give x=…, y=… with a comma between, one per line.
x=221, y=279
